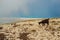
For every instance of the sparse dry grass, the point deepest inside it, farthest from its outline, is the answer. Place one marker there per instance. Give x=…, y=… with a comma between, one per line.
x=31, y=30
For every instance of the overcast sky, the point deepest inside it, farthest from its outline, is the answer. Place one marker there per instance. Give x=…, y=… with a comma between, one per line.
x=30, y=8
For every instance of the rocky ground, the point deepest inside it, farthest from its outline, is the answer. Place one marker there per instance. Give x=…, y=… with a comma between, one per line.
x=31, y=30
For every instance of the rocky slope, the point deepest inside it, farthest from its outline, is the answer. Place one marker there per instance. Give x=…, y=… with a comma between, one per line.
x=31, y=30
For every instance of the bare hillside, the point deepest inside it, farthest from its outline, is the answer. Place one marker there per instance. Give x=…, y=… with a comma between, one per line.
x=32, y=29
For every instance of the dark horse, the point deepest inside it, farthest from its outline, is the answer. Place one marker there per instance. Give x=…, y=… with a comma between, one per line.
x=43, y=22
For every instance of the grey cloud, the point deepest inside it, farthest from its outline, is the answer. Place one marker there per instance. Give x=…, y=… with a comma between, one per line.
x=7, y=6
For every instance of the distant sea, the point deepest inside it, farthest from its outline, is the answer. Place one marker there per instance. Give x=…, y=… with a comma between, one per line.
x=8, y=20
